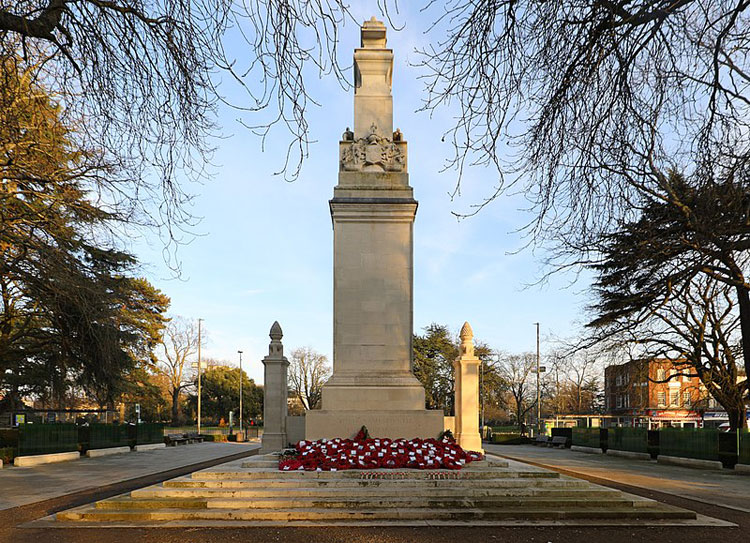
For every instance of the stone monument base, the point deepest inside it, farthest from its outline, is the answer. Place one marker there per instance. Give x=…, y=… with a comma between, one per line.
x=409, y=424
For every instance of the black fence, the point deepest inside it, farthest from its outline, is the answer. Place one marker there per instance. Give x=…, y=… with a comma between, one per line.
x=32, y=439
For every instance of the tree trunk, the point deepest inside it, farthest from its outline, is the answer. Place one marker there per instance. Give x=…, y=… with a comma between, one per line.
x=737, y=419
x=519, y=415
x=743, y=296
x=175, y=407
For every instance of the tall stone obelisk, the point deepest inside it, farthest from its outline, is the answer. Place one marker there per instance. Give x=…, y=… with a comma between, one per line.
x=373, y=212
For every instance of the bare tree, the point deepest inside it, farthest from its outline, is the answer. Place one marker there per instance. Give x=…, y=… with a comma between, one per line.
x=308, y=372
x=582, y=382
x=588, y=104
x=698, y=327
x=515, y=370
x=140, y=79
x=179, y=343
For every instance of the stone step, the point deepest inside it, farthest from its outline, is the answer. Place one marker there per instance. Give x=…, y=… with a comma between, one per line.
x=432, y=493
x=367, y=503
x=396, y=484
x=529, y=513
x=261, y=464
x=487, y=473
x=274, y=463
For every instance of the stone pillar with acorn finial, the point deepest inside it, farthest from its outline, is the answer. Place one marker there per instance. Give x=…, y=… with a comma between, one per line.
x=275, y=393
x=466, y=390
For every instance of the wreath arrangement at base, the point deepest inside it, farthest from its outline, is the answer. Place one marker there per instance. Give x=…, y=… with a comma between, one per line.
x=364, y=452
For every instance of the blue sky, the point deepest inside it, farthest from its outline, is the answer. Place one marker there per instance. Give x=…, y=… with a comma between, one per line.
x=265, y=249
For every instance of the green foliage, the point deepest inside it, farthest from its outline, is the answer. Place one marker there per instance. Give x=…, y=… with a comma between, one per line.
x=8, y=437
x=673, y=281
x=7, y=454
x=221, y=394
x=148, y=390
x=434, y=354
x=509, y=438
x=71, y=316
x=446, y=434
x=216, y=438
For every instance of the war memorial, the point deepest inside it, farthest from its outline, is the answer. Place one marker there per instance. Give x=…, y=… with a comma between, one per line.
x=373, y=386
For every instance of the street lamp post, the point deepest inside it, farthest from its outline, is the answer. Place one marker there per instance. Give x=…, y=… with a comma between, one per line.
x=538, y=391
x=200, y=370
x=481, y=395
x=240, y=352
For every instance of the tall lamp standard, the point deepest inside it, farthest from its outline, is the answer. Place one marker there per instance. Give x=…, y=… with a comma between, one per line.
x=240, y=352
x=538, y=392
x=200, y=370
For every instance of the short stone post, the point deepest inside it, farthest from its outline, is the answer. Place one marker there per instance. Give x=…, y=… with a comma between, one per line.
x=275, y=394
x=466, y=391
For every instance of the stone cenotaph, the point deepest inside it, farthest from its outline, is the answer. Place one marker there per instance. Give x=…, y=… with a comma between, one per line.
x=373, y=212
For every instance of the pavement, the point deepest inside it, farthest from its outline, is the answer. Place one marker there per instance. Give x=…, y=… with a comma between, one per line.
x=725, y=488
x=706, y=491
x=24, y=486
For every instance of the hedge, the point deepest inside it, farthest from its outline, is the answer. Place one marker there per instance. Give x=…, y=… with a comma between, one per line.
x=7, y=454
x=509, y=438
x=215, y=437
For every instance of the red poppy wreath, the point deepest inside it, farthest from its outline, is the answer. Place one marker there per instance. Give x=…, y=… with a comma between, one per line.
x=364, y=452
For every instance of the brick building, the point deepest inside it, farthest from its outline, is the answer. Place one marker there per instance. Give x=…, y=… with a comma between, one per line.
x=653, y=393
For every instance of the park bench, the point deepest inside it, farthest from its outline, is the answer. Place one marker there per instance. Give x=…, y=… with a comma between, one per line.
x=175, y=439
x=559, y=442
x=194, y=437
x=541, y=440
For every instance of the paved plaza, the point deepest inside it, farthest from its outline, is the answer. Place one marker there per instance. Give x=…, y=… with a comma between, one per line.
x=720, y=487
x=23, y=486
x=715, y=490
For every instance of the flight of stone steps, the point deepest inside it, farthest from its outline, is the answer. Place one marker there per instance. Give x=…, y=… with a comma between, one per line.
x=254, y=492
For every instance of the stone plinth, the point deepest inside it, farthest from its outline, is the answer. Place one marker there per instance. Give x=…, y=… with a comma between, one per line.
x=373, y=211
x=408, y=423
x=466, y=372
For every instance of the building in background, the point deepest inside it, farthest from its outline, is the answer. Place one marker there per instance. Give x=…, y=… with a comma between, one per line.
x=653, y=393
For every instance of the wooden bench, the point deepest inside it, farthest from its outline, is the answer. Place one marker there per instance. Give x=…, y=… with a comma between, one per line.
x=175, y=439
x=541, y=440
x=194, y=437
x=558, y=441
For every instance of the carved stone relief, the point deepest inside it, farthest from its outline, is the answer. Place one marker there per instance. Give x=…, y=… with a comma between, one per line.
x=371, y=153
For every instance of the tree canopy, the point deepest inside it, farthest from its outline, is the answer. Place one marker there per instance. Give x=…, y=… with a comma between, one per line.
x=434, y=354
x=308, y=372
x=221, y=394
x=673, y=281
x=73, y=314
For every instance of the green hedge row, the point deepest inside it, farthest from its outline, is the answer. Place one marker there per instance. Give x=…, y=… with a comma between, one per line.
x=7, y=454
x=509, y=438
x=216, y=438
